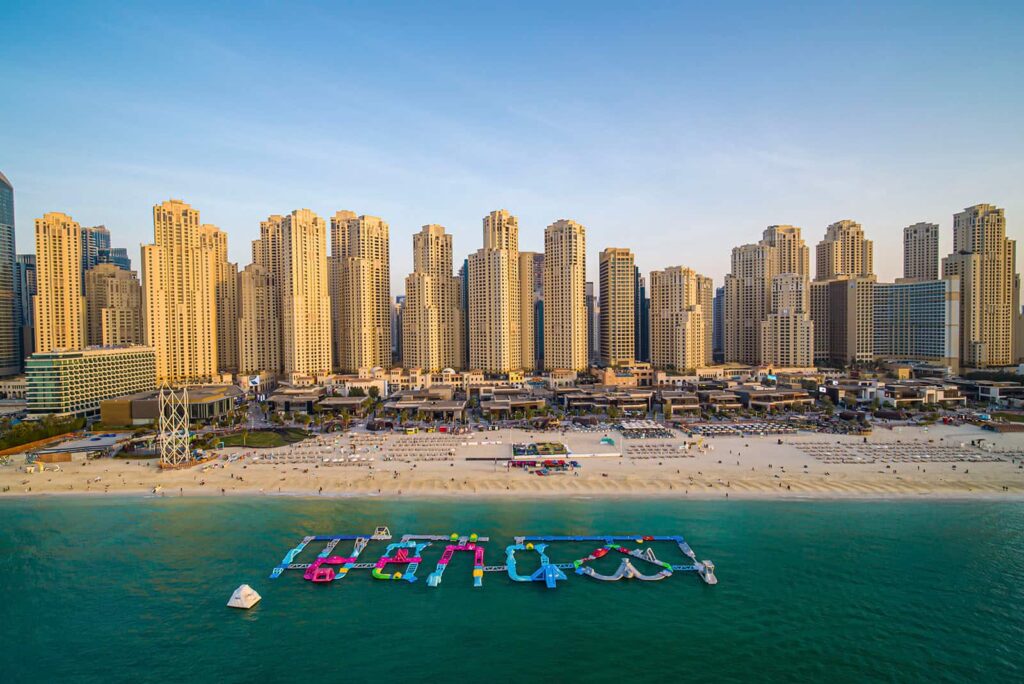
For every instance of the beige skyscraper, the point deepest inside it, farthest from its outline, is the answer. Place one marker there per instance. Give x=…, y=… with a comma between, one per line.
x=618, y=305
x=59, y=305
x=495, y=335
x=842, y=310
x=706, y=299
x=921, y=252
x=225, y=277
x=264, y=282
x=748, y=293
x=1018, y=322
x=113, y=306
x=787, y=334
x=363, y=273
x=266, y=251
x=259, y=331
x=305, y=301
x=985, y=261
x=789, y=251
x=179, y=292
x=747, y=299
x=565, y=305
x=844, y=252
x=431, y=337
x=678, y=338
x=531, y=270
x=842, y=296
x=339, y=224
x=820, y=302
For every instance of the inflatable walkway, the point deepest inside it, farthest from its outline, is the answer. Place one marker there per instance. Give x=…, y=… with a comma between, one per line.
x=401, y=557
x=464, y=544
x=327, y=567
x=547, y=573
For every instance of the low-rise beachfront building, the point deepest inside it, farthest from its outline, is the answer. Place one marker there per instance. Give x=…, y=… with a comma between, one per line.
x=907, y=370
x=802, y=378
x=73, y=383
x=391, y=380
x=13, y=391
x=257, y=384
x=897, y=396
x=678, y=402
x=82, y=448
x=716, y=400
x=442, y=393
x=355, y=407
x=726, y=373
x=910, y=393
x=296, y=399
x=488, y=392
x=849, y=392
x=942, y=394
x=600, y=399
x=677, y=380
x=434, y=404
x=634, y=375
x=205, y=403
x=15, y=387
x=1001, y=393
x=511, y=406
x=768, y=398
x=994, y=392
x=560, y=378
x=346, y=384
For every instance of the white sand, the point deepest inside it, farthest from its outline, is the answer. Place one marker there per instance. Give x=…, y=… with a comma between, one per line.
x=737, y=467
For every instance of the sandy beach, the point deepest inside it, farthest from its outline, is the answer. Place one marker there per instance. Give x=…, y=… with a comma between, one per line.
x=430, y=465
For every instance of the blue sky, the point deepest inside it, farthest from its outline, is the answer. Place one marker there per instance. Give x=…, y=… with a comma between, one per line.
x=679, y=130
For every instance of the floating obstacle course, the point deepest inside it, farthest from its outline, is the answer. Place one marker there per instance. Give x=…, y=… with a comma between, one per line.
x=401, y=551
x=636, y=562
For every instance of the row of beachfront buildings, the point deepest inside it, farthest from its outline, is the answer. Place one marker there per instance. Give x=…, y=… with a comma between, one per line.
x=315, y=303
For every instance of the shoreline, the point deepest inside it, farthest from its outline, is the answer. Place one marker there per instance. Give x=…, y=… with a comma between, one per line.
x=911, y=463
x=955, y=495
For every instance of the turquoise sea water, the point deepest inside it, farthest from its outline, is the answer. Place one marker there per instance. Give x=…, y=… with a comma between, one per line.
x=134, y=590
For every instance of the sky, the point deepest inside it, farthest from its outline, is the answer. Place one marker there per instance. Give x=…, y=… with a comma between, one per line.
x=679, y=130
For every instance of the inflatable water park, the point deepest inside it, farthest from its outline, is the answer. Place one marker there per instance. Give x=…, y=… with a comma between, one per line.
x=401, y=560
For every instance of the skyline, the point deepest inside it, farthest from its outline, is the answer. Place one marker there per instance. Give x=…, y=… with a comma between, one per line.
x=544, y=278
x=439, y=115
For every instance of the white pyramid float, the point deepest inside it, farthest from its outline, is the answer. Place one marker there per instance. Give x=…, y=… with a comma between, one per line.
x=244, y=597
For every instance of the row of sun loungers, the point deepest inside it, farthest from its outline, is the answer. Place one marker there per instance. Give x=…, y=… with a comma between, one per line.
x=426, y=447
x=647, y=433
x=906, y=452
x=742, y=429
x=294, y=459
x=658, y=450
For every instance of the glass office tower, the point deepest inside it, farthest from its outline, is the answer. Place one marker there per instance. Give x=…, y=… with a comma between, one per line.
x=10, y=333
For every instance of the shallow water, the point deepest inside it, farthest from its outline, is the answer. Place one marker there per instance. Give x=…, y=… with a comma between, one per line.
x=134, y=589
